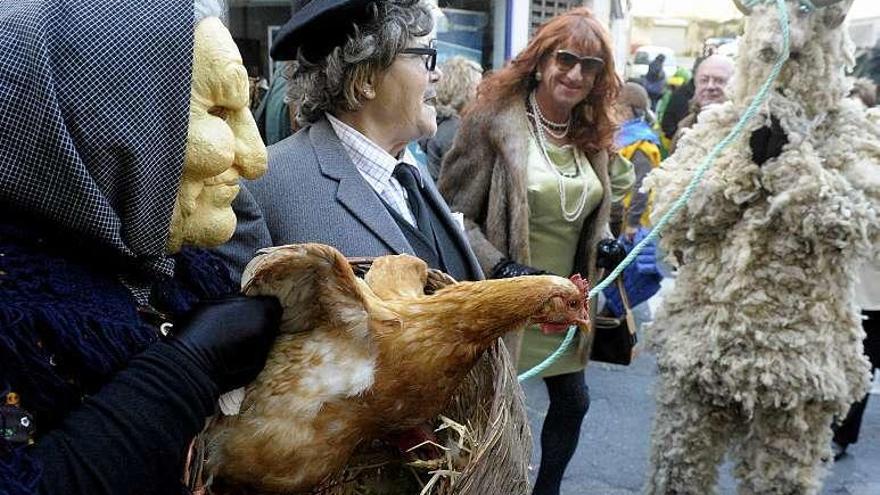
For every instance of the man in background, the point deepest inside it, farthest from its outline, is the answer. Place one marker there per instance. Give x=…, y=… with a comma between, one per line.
x=711, y=78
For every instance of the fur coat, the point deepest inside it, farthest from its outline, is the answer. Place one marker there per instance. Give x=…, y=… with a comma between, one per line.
x=484, y=177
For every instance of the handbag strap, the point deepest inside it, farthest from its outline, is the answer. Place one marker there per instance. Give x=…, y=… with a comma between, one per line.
x=630, y=319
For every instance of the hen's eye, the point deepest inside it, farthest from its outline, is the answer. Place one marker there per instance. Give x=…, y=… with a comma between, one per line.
x=572, y=304
x=219, y=112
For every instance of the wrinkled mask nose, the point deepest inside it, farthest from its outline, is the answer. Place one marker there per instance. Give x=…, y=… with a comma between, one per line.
x=251, y=159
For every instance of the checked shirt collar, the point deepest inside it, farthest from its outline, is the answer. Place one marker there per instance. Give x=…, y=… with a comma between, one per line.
x=376, y=166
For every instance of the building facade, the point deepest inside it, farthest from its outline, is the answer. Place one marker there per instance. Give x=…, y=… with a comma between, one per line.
x=490, y=32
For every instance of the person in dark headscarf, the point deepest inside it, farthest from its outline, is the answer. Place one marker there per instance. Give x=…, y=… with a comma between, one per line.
x=124, y=128
x=655, y=80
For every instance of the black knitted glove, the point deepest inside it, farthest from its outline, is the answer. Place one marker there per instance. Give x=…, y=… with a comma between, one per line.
x=509, y=269
x=229, y=338
x=609, y=253
x=767, y=142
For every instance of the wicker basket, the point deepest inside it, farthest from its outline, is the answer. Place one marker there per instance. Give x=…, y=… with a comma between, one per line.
x=489, y=404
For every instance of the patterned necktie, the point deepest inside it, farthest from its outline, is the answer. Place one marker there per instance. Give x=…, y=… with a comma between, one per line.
x=406, y=176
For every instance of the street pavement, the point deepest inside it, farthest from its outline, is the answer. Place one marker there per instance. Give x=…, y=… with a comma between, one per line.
x=612, y=457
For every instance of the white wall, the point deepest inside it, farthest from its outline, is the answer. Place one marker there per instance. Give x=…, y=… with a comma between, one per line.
x=519, y=26
x=499, y=37
x=719, y=10
x=602, y=10
x=674, y=37
x=865, y=32
x=864, y=8
x=620, y=29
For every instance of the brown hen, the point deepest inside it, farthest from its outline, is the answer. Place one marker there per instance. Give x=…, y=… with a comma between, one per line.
x=362, y=359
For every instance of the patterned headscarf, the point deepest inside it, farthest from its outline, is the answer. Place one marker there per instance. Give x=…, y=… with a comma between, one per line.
x=94, y=101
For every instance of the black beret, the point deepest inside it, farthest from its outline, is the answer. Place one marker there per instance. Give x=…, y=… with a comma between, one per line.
x=318, y=26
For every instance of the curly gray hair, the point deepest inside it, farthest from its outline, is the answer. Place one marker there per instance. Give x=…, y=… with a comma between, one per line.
x=210, y=8
x=337, y=81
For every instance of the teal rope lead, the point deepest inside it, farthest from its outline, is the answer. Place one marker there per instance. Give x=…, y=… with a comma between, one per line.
x=689, y=190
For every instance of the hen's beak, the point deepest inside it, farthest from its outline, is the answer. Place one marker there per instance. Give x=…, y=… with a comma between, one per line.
x=583, y=322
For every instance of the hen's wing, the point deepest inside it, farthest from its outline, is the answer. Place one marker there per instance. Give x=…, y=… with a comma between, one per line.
x=397, y=277
x=313, y=282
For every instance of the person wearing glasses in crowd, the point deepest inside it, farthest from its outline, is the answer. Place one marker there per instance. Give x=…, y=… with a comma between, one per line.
x=531, y=171
x=362, y=74
x=710, y=79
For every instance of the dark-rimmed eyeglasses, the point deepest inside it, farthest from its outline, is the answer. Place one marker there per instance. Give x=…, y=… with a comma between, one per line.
x=565, y=60
x=428, y=52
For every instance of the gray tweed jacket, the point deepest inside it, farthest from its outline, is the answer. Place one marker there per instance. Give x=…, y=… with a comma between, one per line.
x=313, y=193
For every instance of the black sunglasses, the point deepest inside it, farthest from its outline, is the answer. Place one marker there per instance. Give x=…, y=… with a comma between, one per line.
x=429, y=52
x=589, y=65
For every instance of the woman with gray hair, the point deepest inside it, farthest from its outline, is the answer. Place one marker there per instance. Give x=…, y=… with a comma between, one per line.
x=457, y=89
x=362, y=74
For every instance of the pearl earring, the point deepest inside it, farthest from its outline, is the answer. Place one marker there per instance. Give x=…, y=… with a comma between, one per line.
x=538, y=76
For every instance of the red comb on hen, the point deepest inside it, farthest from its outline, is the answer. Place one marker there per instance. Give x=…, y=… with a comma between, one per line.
x=581, y=284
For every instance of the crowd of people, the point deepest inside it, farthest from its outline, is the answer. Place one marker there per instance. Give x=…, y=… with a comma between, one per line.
x=126, y=227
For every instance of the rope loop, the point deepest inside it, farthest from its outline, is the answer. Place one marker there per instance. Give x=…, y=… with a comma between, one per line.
x=749, y=114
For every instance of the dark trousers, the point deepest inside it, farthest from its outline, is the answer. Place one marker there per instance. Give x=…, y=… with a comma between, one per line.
x=847, y=432
x=569, y=402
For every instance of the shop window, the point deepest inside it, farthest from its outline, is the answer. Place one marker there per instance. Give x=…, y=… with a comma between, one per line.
x=467, y=28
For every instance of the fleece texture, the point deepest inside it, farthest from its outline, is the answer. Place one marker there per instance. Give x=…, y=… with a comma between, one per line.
x=759, y=346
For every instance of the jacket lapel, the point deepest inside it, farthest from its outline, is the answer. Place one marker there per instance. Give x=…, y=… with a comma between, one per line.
x=457, y=235
x=354, y=194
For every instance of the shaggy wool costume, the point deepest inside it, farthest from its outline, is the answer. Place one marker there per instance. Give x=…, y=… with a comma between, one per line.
x=759, y=346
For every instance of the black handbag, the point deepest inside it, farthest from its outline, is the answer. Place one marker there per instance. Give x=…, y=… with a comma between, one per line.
x=614, y=338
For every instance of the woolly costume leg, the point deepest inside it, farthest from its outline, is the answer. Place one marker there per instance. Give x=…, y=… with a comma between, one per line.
x=783, y=452
x=689, y=440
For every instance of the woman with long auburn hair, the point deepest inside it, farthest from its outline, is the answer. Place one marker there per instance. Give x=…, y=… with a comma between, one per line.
x=593, y=124
x=530, y=169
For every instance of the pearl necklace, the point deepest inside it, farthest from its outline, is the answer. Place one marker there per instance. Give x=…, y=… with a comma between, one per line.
x=560, y=128
x=570, y=216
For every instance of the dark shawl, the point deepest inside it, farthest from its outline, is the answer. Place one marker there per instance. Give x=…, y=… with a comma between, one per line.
x=85, y=89
x=94, y=100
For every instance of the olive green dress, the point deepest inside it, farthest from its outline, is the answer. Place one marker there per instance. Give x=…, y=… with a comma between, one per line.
x=553, y=240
